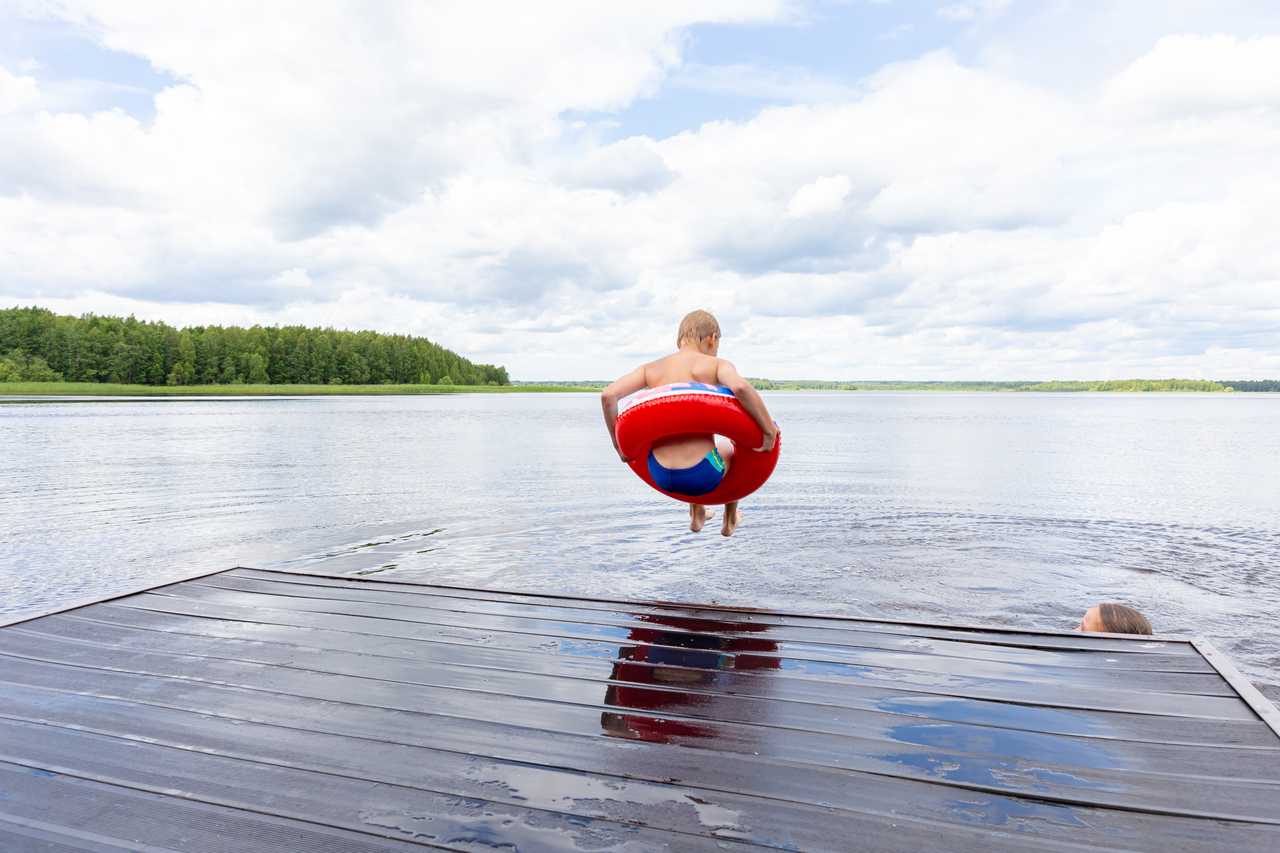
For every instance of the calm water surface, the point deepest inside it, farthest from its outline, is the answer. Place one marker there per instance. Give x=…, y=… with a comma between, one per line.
x=1008, y=509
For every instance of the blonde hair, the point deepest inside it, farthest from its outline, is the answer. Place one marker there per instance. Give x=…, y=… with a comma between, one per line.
x=695, y=327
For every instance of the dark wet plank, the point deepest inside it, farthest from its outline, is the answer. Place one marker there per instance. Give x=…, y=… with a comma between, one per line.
x=282, y=645
x=822, y=629
x=111, y=812
x=1031, y=668
x=749, y=697
x=679, y=620
x=266, y=710
x=21, y=835
x=358, y=805
x=222, y=688
x=524, y=796
x=529, y=675
x=1112, y=695
x=754, y=804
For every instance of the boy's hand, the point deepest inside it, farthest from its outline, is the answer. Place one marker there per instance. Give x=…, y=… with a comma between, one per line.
x=770, y=439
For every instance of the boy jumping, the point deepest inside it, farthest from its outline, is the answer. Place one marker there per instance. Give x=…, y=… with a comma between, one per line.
x=691, y=463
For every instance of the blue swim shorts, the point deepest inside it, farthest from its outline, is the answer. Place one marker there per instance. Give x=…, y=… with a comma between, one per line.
x=698, y=480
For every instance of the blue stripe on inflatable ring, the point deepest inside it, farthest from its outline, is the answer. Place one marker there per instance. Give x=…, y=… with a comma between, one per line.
x=677, y=388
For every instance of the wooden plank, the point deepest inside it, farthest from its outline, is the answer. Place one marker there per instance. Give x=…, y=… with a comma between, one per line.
x=412, y=780
x=925, y=819
x=933, y=763
x=1177, y=641
x=1259, y=703
x=1207, y=683
x=603, y=809
x=1016, y=691
x=752, y=699
x=356, y=806
x=259, y=707
x=849, y=636
x=506, y=672
x=109, y=813
x=277, y=644
x=1108, y=697
x=1044, y=638
x=20, y=835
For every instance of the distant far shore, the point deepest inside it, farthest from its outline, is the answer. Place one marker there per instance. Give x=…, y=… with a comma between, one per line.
x=1168, y=385
x=106, y=389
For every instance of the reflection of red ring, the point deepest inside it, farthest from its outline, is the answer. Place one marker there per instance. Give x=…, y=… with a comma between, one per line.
x=674, y=409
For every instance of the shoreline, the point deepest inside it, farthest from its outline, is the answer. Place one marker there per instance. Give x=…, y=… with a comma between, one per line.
x=105, y=389
x=13, y=390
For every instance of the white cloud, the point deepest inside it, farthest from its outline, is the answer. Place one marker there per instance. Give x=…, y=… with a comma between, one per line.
x=1186, y=77
x=406, y=168
x=824, y=195
x=15, y=91
x=296, y=277
x=632, y=165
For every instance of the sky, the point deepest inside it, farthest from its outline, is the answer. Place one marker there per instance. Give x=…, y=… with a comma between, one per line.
x=982, y=189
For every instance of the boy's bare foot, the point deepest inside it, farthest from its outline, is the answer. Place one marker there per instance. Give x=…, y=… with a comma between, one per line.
x=732, y=518
x=698, y=515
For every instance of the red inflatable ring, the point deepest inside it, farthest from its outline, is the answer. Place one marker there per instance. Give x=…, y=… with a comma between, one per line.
x=695, y=407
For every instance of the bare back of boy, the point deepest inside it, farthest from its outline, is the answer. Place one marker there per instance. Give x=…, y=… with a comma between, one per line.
x=688, y=365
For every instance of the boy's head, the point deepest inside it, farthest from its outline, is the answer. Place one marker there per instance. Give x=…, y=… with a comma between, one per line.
x=696, y=327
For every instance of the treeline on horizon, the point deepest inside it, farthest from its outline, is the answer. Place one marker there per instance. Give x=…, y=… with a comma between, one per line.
x=1205, y=385
x=37, y=345
x=1109, y=385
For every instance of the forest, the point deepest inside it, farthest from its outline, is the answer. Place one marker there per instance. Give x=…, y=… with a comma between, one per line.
x=37, y=345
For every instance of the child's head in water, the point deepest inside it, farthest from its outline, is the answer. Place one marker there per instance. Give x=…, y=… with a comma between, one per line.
x=1115, y=619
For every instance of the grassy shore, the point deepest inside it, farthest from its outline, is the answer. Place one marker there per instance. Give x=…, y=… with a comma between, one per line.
x=1142, y=385
x=103, y=389
x=96, y=389
x=1182, y=386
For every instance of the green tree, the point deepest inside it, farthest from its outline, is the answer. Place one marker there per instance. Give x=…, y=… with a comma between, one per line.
x=20, y=367
x=230, y=375
x=258, y=370
x=9, y=370
x=184, y=365
x=90, y=348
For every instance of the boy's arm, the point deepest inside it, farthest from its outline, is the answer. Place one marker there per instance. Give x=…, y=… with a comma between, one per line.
x=627, y=385
x=727, y=375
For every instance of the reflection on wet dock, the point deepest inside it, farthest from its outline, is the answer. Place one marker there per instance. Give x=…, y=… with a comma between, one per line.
x=255, y=710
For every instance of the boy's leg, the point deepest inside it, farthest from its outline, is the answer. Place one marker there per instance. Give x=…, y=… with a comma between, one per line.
x=732, y=518
x=698, y=515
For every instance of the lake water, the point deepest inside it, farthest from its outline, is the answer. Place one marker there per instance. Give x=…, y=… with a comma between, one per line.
x=1005, y=509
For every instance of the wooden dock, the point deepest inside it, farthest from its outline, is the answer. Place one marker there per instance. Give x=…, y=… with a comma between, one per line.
x=257, y=710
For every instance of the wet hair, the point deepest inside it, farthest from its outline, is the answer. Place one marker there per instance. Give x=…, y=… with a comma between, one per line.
x=1119, y=619
x=697, y=326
